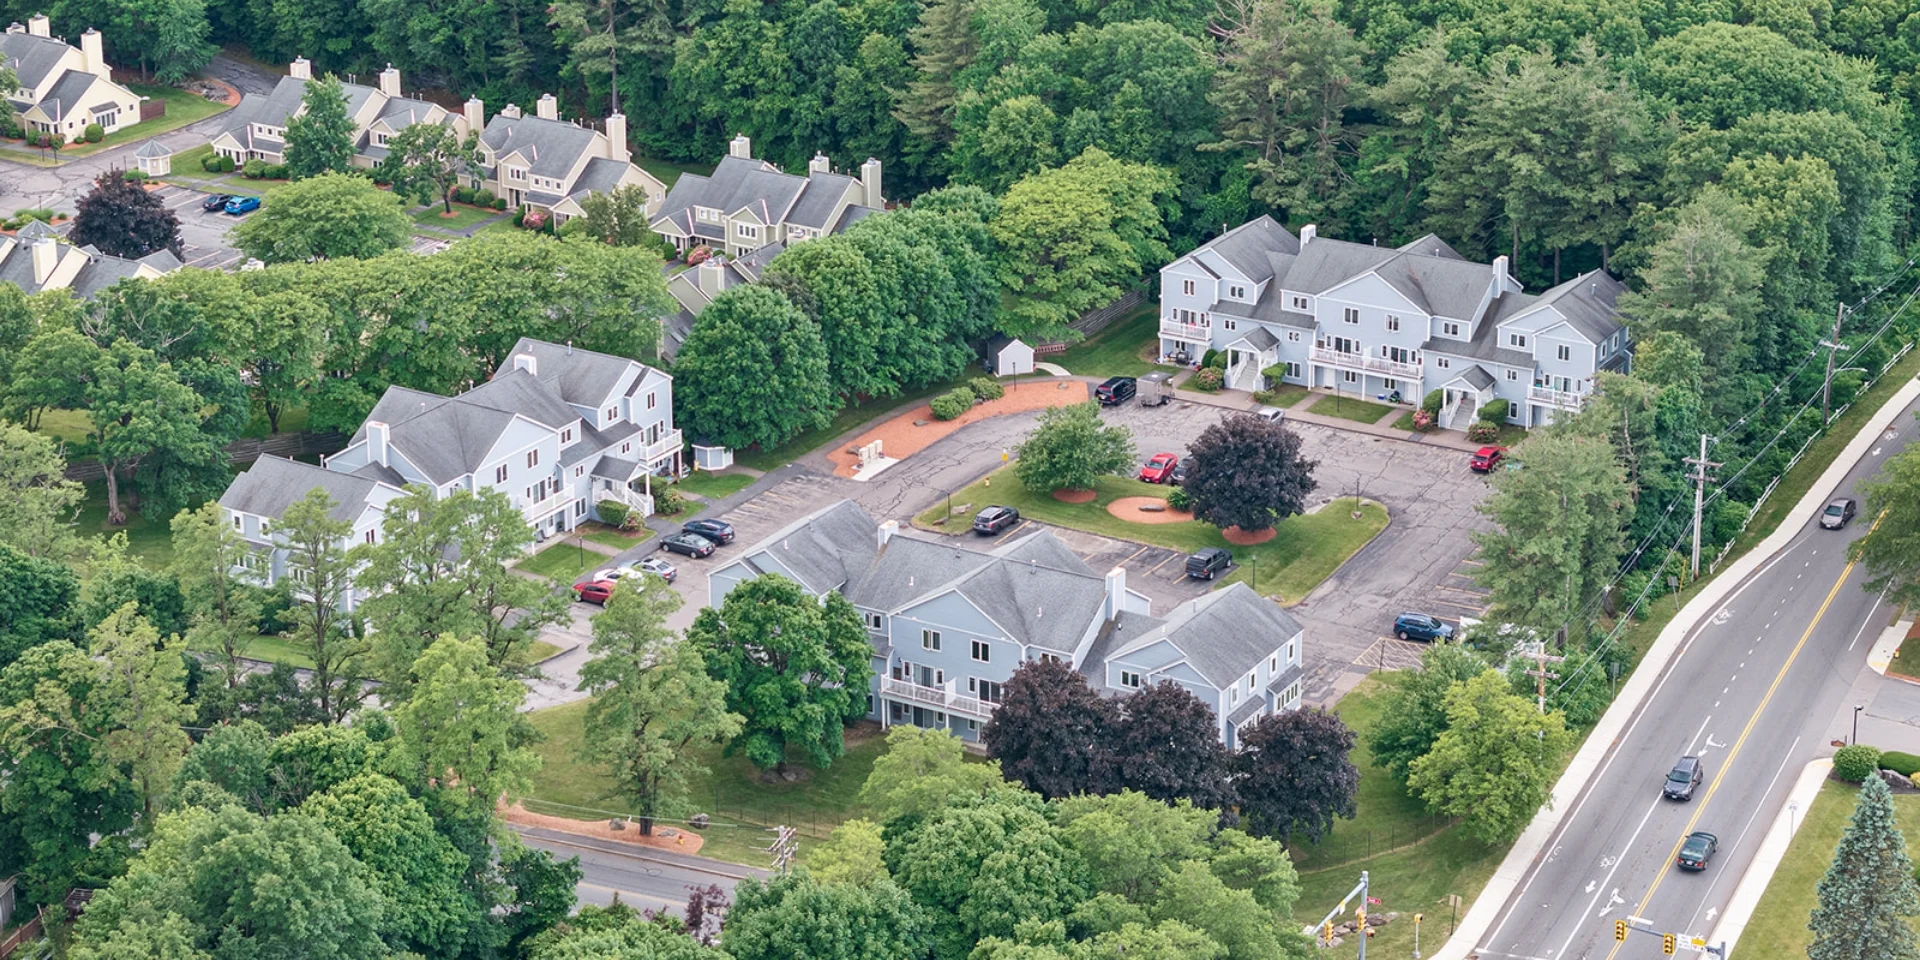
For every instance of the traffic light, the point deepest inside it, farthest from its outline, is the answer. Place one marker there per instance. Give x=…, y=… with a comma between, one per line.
x=1328, y=932
x=1666, y=944
x=1619, y=929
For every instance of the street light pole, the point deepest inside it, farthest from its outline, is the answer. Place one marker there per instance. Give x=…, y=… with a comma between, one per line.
x=1856, y=722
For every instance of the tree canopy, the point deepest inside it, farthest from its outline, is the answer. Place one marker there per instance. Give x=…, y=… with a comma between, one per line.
x=322, y=217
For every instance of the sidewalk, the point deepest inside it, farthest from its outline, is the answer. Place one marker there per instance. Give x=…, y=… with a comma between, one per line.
x=1753, y=884
x=1302, y=413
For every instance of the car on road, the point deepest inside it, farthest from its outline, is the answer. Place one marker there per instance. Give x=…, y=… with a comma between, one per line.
x=215, y=202
x=1159, y=468
x=1696, y=850
x=1271, y=414
x=995, y=519
x=239, y=205
x=594, y=591
x=1115, y=391
x=1179, y=474
x=1421, y=626
x=690, y=544
x=1209, y=562
x=1684, y=778
x=717, y=531
x=1839, y=513
x=659, y=568
x=1487, y=459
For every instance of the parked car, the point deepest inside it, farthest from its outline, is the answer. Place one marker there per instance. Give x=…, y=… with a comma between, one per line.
x=1209, y=562
x=660, y=568
x=1684, y=778
x=1839, y=513
x=1159, y=468
x=1487, y=459
x=1179, y=474
x=1698, y=848
x=691, y=544
x=995, y=519
x=1271, y=414
x=215, y=202
x=594, y=591
x=1115, y=391
x=714, y=530
x=1421, y=626
x=239, y=205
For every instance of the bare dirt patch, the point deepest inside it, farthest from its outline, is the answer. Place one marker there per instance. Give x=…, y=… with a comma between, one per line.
x=901, y=438
x=1130, y=510
x=664, y=837
x=1247, y=538
x=1074, y=496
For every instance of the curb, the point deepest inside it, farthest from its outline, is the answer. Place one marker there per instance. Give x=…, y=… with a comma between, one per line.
x=1773, y=849
x=1880, y=658
x=1532, y=844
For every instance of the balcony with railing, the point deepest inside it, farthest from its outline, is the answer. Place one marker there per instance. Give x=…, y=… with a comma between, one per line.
x=1378, y=366
x=668, y=444
x=939, y=698
x=1564, y=399
x=1187, y=332
x=559, y=499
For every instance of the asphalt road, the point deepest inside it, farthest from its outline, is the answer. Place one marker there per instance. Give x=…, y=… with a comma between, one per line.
x=1758, y=690
x=645, y=879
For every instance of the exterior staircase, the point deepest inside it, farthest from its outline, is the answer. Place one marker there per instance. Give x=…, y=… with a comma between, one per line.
x=1462, y=412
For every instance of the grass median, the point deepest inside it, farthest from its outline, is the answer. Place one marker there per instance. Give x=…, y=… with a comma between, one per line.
x=1779, y=924
x=1306, y=551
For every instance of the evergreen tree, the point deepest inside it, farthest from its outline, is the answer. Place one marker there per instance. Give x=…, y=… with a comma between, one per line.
x=1869, y=891
x=320, y=139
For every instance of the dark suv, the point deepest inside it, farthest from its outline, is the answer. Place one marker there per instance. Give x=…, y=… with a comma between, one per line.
x=1683, y=778
x=994, y=519
x=1115, y=391
x=1421, y=626
x=1210, y=562
x=717, y=531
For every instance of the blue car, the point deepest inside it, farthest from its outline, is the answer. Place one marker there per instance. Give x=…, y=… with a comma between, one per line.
x=240, y=205
x=1421, y=626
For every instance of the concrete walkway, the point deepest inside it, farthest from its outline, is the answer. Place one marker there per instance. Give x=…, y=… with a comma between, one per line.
x=1773, y=849
x=1302, y=413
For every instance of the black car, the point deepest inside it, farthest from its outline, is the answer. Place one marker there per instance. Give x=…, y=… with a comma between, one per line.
x=1179, y=474
x=1698, y=848
x=1115, y=391
x=1838, y=513
x=215, y=203
x=1684, y=778
x=1210, y=562
x=1421, y=626
x=715, y=530
x=691, y=544
x=994, y=519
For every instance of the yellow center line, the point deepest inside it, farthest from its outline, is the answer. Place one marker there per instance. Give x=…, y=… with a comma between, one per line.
x=1727, y=765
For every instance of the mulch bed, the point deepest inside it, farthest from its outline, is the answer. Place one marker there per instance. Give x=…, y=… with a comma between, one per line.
x=1247, y=538
x=901, y=437
x=1129, y=509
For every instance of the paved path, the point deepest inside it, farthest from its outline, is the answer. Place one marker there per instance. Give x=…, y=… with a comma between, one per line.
x=641, y=877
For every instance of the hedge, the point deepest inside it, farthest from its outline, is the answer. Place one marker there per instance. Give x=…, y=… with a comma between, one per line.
x=1432, y=402
x=1495, y=412
x=612, y=512
x=1856, y=763
x=1904, y=764
x=986, y=388
x=952, y=403
x=1483, y=432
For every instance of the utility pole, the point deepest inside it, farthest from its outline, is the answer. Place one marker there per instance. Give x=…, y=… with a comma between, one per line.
x=1538, y=651
x=1833, y=346
x=1700, y=466
x=783, y=848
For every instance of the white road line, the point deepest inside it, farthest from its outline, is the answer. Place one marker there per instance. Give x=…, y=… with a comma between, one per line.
x=1743, y=830
x=1607, y=881
x=1869, y=619
x=1697, y=733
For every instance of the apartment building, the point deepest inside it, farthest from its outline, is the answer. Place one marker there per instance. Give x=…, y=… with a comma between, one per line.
x=62, y=88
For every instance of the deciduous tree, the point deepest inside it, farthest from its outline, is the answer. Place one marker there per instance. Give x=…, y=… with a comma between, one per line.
x=1071, y=448
x=1293, y=775
x=1051, y=730
x=37, y=501
x=983, y=870
x=412, y=867
x=854, y=853
x=1165, y=743
x=462, y=725
x=797, y=916
x=618, y=217
x=141, y=696
x=141, y=409
x=225, y=612
x=428, y=160
x=322, y=217
x=1494, y=765
x=921, y=771
x=38, y=602
x=753, y=371
x=1702, y=282
x=1247, y=472
x=1559, y=531
x=120, y=217
x=1413, y=711
x=318, y=564
x=1890, y=551
x=1132, y=842
x=320, y=139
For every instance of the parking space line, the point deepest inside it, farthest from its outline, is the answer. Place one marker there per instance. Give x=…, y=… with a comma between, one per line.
x=1171, y=556
x=1470, y=593
x=1469, y=561
x=1022, y=525
x=1130, y=556
x=1476, y=611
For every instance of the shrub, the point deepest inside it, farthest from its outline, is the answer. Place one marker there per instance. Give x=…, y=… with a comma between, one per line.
x=1209, y=379
x=499, y=203
x=135, y=176
x=1495, y=412
x=612, y=512
x=1432, y=402
x=667, y=501
x=462, y=195
x=1422, y=420
x=484, y=198
x=986, y=388
x=1483, y=432
x=1214, y=359
x=1276, y=373
x=1265, y=397
x=1856, y=763
x=226, y=165
x=698, y=255
x=211, y=162
x=95, y=133
x=1179, y=499
x=255, y=169
x=952, y=403
x=1904, y=764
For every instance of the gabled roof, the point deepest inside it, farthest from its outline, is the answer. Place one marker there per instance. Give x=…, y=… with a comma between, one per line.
x=910, y=569
x=1441, y=285
x=273, y=484
x=1247, y=246
x=757, y=187
x=66, y=94
x=516, y=391
x=582, y=377
x=550, y=148
x=825, y=550
x=1587, y=301
x=1431, y=245
x=823, y=192
x=450, y=440
x=32, y=58
x=1476, y=376
x=1223, y=635
x=401, y=112
x=601, y=175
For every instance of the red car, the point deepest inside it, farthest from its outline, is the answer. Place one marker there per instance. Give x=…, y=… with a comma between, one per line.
x=1487, y=459
x=1159, y=468
x=594, y=591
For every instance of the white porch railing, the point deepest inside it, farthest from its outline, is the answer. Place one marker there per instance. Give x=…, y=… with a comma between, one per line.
x=545, y=507
x=627, y=495
x=941, y=697
x=1188, y=332
x=668, y=444
x=1360, y=361
x=1564, y=399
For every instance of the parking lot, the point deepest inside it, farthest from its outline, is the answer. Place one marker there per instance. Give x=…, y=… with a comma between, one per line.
x=202, y=233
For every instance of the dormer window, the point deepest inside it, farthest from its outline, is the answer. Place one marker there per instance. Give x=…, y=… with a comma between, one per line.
x=1517, y=340
x=1237, y=293
x=566, y=435
x=1450, y=328
x=1299, y=303
x=613, y=413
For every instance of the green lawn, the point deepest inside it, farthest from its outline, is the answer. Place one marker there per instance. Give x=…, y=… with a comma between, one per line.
x=183, y=108
x=609, y=537
x=149, y=540
x=1347, y=408
x=1388, y=818
x=1779, y=924
x=1115, y=351
x=269, y=648
x=72, y=426
x=1307, y=550
x=187, y=162
x=667, y=170
x=714, y=486
x=563, y=563
x=464, y=216
x=730, y=789
x=847, y=420
x=1286, y=395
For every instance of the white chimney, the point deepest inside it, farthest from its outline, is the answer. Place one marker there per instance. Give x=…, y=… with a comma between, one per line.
x=870, y=179
x=377, y=442
x=819, y=164
x=46, y=256
x=1499, y=273
x=713, y=276
x=548, y=108
x=16, y=27
x=511, y=111
x=390, y=81
x=475, y=111
x=887, y=530
x=300, y=69
x=39, y=25
x=1116, y=591
x=1307, y=233
x=617, y=138
x=740, y=146
x=92, y=51
x=527, y=362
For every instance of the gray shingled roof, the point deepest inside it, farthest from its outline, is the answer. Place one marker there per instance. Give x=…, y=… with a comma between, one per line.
x=1432, y=246
x=752, y=265
x=583, y=377
x=1440, y=285
x=66, y=94
x=551, y=147
x=1043, y=547
x=909, y=569
x=614, y=468
x=1259, y=338
x=1587, y=301
x=1485, y=344
x=1244, y=712
x=1476, y=376
x=153, y=148
x=1285, y=679
x=1247, y=246
x=1036, y=603
x=1224, y=634
x=822, y=194
x=855, y=213
x=736, y=183
x=396, y=405
x=826, y=549
x=35, y=229
x=31, y=57
x=273, y=484
x=450, y=440
x=601, y=175
x=403, y=112
x=516, y=391
x=102, y=271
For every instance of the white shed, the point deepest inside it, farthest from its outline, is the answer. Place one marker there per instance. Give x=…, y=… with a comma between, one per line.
x=154, y=159
x=712, y=457
x=1008, y=356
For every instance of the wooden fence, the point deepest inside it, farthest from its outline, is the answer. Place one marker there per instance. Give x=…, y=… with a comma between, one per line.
x=1094, y=321
x=245, y=451
x=21, y=935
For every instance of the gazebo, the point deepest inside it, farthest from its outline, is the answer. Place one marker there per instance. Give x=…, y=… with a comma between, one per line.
x=155, y=160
